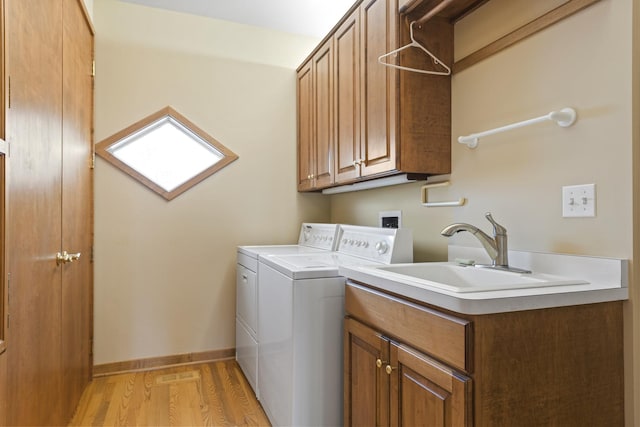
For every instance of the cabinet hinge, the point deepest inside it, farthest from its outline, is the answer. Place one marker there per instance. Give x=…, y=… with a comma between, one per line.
x=92, y=163
x=9, y=92
x=93, y=68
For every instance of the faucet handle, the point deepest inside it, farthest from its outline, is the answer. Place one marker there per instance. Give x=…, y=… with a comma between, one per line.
x=497, y=228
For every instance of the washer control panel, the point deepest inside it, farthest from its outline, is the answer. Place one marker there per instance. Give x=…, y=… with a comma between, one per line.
x=384, y=245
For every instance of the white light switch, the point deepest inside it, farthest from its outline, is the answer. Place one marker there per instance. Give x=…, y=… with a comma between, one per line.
x=579, y=200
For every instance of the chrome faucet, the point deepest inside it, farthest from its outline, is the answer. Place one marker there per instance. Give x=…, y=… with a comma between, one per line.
x=495, y=246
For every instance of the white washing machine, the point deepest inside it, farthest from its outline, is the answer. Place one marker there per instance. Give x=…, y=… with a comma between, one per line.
x=313, y=238
x=300, y=318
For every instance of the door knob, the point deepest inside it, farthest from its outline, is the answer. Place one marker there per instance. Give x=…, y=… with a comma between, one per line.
x=65, y=257
x=62, y=258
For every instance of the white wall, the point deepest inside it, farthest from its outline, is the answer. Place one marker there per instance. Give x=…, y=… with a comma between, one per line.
x=584, y=62
x=165, y=271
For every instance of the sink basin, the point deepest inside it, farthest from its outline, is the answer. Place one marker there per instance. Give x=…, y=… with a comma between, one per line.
x=458, y=278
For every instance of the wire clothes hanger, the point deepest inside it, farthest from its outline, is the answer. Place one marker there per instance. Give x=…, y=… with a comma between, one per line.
x=415, y=43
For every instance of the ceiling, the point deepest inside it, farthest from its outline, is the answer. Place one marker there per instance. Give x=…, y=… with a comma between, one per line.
x=313, y=18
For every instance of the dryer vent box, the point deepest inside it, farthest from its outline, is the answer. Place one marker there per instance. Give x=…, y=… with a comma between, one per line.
x=390, y=219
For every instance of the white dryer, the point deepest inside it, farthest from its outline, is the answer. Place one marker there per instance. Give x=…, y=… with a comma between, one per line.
x=300, y=318
x=313, y=238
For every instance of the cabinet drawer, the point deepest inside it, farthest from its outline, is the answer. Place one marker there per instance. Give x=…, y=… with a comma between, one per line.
x=445, y=337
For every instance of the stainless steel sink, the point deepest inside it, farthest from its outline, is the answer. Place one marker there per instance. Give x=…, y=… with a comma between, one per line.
x=457, y=278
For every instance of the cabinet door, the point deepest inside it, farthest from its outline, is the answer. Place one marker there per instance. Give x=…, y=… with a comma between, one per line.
x=323, y=117
x=426, y=393
x=347, y=99
x=305, y=127
x=77, y=203
x=366, y=385
x=379, y=87
x=33, y=223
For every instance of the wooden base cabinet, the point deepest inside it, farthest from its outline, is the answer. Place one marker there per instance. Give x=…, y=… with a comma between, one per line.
x=411, y=364
x=388, y=383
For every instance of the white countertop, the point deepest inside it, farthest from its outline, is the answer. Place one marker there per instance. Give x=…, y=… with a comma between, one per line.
x=607, y=281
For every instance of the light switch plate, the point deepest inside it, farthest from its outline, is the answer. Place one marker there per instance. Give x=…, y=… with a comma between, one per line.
x=579, y=201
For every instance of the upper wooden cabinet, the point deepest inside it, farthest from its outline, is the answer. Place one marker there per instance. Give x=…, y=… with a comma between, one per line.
x=305, y=127
x=315, y=120
x=380, y=121
x=379, y=91
x=347, y=98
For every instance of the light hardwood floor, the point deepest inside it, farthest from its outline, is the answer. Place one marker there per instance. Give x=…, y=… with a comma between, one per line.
x=207, y=394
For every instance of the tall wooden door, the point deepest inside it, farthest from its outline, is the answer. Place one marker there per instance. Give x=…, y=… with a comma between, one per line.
x=77, y=202
x=33, y=131
x=379, y=20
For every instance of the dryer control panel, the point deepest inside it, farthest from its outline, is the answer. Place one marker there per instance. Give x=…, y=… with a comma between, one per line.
x=321, y=236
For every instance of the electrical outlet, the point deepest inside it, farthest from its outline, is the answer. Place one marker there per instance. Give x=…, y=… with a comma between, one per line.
x=579, y=201
x=390, y=219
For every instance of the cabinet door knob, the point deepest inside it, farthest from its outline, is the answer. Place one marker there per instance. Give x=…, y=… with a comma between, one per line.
x=389, y=369
x=380, y=362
